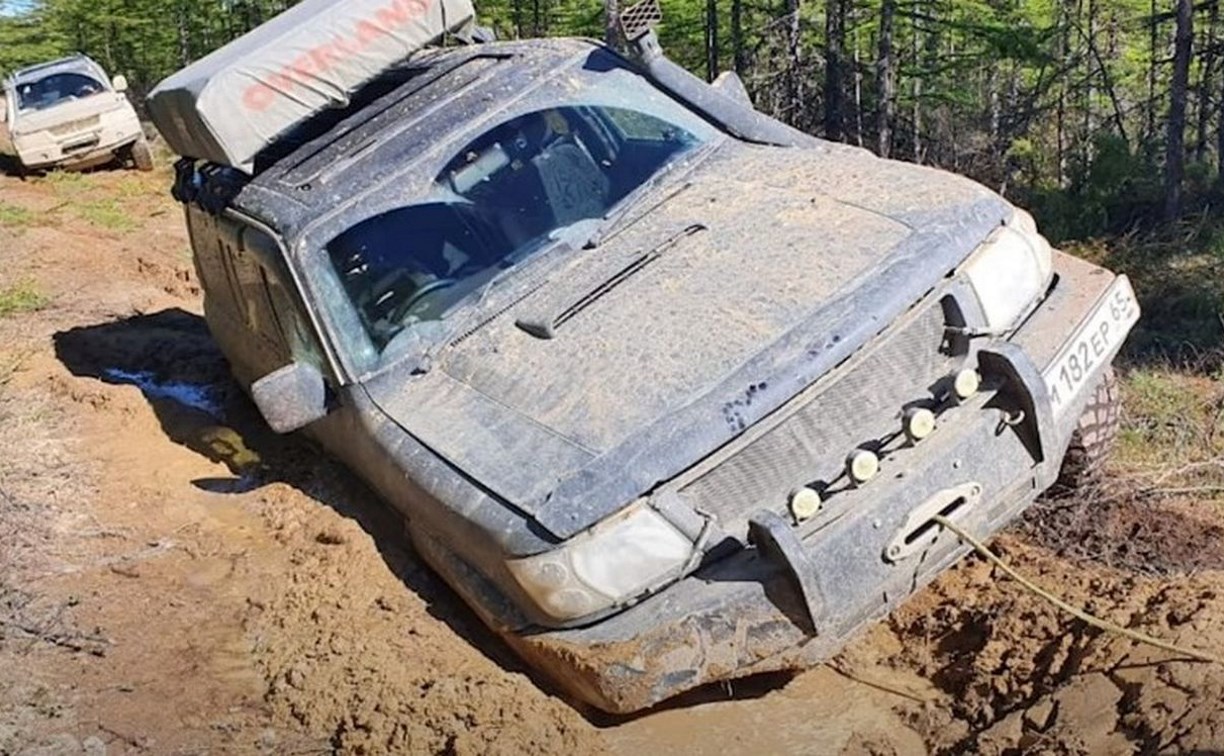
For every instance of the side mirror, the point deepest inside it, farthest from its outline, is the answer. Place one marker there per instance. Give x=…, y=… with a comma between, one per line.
x=292, y=397
x=120, y=83
x=730, y=84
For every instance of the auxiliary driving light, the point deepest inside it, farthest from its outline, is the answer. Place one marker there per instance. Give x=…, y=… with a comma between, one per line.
x=967, y=383
x=805, y=504
x=862, y=465
x=918, y=423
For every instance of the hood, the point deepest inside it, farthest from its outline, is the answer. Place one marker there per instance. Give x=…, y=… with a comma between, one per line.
x=68, y=112
x=770, y=266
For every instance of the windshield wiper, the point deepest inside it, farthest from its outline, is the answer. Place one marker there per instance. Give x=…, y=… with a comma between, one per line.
x=587, y=233
x=544, y=324
x=612, y=220
x=474, y=315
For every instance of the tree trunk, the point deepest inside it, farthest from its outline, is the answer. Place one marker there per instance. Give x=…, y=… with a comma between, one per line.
x=1153, y=41
x=858, y=90
x=184, y=34
x=1175, y=158
x=885, y=80
x=1091, y=71
x=794, y=89
x=916, y=90
x=711, y=40
x=612, y=29
x=835, y=45
x=1206, y=75
x=737, y=37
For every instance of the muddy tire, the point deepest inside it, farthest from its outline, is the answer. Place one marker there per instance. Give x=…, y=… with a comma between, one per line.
x=142, y=155
x=1093, y=438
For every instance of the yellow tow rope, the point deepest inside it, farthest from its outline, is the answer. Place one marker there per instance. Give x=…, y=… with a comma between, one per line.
x=1105, y=625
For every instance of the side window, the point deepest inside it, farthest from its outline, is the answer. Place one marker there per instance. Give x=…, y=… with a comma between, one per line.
x=253, y=297
x=637, y=125
x=212, y=264
x=296, y=331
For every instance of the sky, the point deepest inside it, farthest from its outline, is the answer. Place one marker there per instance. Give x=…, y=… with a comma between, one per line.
x=15, y=7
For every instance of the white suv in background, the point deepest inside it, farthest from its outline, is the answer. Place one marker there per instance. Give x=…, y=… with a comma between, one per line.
x=69, y=114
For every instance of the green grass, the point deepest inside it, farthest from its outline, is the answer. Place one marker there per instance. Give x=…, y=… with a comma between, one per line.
x=1172, y=366
x=1172, y=417
x=12, y=216
x=23, y=296
x=1178, y=274
x=69, y=183
x=107, y=214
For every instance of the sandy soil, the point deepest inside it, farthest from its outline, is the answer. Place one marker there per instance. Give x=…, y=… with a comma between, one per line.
x=174, y=578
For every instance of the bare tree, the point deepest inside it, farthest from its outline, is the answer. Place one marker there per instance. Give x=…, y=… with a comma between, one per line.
x=739, y=58
x=886, y=79
x=1206, y=76
x=835, y=46
x=1175, y=157
x=794, y=62
x=612, y=29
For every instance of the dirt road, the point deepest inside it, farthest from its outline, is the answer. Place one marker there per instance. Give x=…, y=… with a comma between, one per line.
x=174, y=578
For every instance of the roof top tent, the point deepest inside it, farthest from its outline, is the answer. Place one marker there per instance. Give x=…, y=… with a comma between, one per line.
x=229, y=106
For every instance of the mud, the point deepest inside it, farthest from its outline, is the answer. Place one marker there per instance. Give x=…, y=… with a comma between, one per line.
x=174, y=577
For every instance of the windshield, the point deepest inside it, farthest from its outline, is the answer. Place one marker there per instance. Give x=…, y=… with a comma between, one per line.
x=572, y=156
x=56, y=88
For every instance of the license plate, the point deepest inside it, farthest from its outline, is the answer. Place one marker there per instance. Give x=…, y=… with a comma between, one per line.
x=1094, y=341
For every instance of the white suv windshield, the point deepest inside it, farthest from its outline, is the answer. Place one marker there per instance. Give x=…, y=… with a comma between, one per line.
x=56, y=88
x=500, y=198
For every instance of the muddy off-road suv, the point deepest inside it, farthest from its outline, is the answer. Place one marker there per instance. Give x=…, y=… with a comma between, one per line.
x=69, y=114
x=667, y=391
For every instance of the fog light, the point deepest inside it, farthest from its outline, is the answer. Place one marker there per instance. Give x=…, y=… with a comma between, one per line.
x=862, y=465
x=918, y=423
x=967, y=383
x=805, y=504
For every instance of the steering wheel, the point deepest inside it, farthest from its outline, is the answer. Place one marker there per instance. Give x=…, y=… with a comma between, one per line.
x=398, y=312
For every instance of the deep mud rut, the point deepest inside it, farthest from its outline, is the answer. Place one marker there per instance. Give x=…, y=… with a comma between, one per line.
x=174, y=578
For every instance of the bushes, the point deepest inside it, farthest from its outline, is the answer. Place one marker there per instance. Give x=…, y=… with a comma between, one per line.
x=1118, y=191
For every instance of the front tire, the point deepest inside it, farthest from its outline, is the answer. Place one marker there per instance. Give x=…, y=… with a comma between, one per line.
x=142, y=155
x=1093, y=438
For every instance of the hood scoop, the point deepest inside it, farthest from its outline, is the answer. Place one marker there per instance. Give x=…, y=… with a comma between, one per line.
x=546, y=317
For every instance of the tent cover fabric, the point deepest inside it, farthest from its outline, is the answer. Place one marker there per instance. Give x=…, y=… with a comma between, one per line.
x=227, y=107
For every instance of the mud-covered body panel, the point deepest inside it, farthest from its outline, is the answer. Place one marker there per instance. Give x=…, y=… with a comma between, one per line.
x=783, y=279
x=745, y=614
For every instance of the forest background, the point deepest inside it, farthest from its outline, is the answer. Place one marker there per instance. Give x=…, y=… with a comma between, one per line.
x=1104, y=117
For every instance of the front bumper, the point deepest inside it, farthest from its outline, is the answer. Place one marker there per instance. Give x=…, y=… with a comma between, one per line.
x=96, y=146
x=767, y=609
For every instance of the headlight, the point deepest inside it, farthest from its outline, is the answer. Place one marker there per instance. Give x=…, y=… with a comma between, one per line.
x=1010, y=270
x=612, y=563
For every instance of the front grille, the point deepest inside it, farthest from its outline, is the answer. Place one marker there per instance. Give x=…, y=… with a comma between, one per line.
x=72, y=127
x=81, y=146
x=860, y=405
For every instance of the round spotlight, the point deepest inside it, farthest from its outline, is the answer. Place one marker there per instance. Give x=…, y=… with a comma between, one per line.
x=967, y=383
x=862, y=465
x=805, y=504
x=918, y=423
